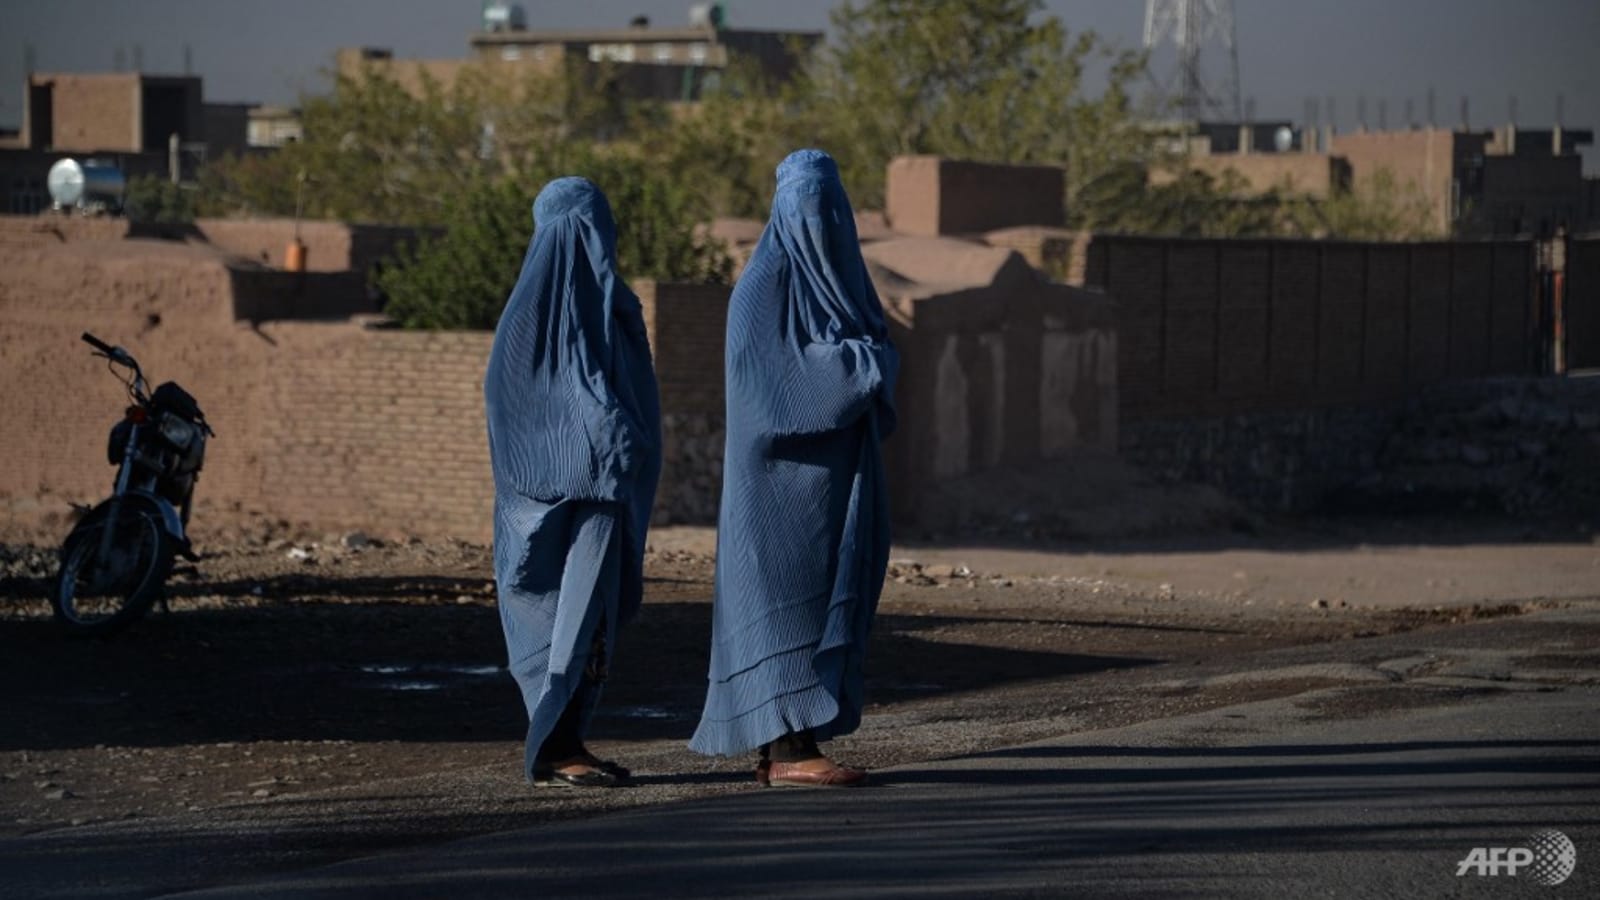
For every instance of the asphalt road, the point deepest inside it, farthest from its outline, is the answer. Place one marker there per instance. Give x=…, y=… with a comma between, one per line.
x=1433, y=744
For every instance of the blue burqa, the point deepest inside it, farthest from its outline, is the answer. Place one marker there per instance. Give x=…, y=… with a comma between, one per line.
x=575, y=443
x=803, y=534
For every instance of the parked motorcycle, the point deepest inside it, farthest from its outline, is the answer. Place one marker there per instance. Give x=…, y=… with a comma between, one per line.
x=115, y=563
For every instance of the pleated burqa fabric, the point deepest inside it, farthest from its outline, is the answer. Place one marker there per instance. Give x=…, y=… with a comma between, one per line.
x=575, y=444
x=803, y=532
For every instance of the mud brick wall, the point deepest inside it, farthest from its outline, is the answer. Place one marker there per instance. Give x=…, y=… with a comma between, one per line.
x=687, y=324
x=95, y=112
x=930, y=196
x=332, y=425
x=29, y=231
x=330, y=246
x=380, y=429
x=1227, y=327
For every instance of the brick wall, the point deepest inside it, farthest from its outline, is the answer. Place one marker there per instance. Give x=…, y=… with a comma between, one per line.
x=686, y=324
x=329, y=424
x=1316, y=174
x=1426, y=160
x=1212, y=327
x=95, y=112
x=930, y=196
x=380, y=430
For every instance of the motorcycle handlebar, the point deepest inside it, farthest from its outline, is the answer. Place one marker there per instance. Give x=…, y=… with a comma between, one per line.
x=98, y=344
x=115, y=354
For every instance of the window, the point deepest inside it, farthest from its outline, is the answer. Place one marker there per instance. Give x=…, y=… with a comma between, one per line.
x=664, y=53
x=611, y=53
x=510, y=53
x=697, y=53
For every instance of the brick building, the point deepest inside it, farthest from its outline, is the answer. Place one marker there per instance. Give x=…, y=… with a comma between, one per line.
x=647, y=62
x=1475, y=183
x=124, y=118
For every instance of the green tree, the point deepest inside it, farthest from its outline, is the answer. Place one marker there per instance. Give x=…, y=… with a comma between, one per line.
x=728, y=144
x=150, y=198
x=990, y=80
x=377, y=150
x=462, y=277
x=1375, y=209
x=1189, y=203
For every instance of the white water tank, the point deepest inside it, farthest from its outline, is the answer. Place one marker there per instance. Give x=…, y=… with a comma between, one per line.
x=89, y=184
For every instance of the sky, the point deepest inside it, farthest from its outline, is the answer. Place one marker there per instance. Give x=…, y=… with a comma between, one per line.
x=1289, y=50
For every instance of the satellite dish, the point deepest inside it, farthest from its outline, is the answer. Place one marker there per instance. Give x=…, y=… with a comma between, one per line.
x=1283, y=139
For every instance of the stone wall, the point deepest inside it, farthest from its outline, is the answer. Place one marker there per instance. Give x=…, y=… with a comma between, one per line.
x=1289, y=461
x=1522, y=446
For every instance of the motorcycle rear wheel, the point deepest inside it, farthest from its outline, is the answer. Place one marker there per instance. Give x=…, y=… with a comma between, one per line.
x=95, y=596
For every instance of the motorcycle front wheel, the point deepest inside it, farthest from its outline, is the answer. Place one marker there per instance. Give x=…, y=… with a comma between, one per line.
x=98, y=593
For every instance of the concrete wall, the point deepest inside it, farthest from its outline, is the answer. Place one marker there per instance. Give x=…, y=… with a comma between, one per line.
x=1221, y=327
x=930, y=196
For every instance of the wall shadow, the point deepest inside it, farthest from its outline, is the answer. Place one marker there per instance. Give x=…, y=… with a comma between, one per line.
x=385, y=667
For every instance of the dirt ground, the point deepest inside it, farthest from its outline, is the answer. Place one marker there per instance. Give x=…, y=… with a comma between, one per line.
x=289, y=667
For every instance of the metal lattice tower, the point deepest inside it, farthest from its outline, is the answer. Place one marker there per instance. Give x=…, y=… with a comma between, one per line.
x=1194, y=27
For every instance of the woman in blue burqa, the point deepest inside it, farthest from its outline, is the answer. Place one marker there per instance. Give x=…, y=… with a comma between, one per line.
x=803, y=534
x=575, y=443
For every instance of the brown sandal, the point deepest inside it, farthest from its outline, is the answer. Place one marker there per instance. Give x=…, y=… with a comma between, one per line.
x=796, y=774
